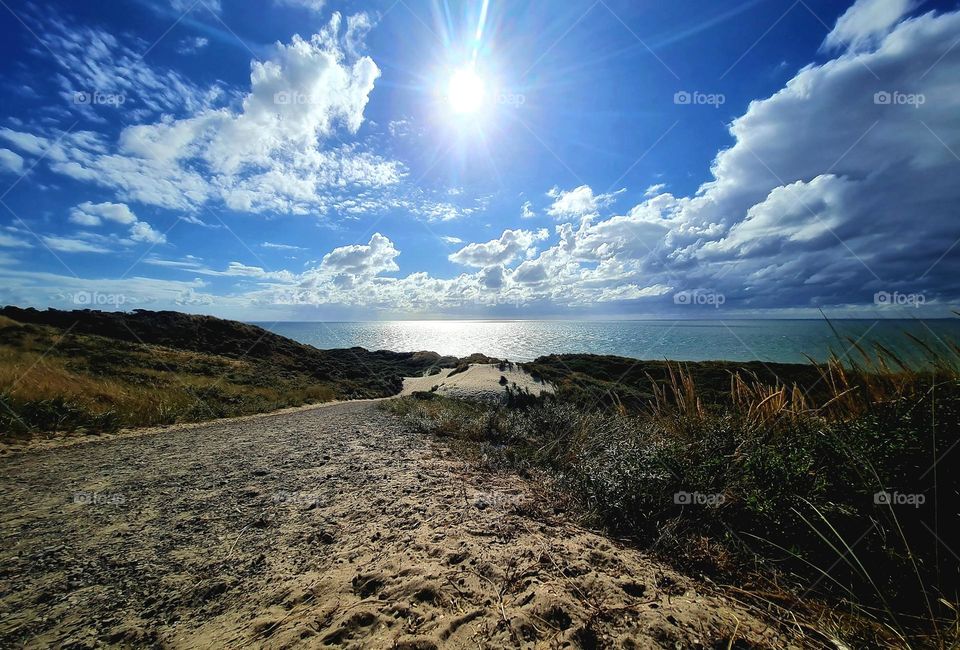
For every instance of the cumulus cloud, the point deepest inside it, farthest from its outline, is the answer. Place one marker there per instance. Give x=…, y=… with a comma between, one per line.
x=297, y=98
x=373, y=258
x=492, y=277
x=144, y=232
x=531, y=272
x=510, y=245
x=91, y=214
x=271, y=153
x=578, y=203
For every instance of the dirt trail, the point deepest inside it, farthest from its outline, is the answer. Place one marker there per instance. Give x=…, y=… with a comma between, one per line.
x=335, y=526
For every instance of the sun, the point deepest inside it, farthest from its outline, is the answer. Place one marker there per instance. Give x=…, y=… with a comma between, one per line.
x=466, y=91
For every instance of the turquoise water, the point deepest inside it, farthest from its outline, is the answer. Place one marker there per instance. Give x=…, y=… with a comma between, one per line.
x=735, y=340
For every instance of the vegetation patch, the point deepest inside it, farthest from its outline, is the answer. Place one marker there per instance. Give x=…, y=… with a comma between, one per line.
x=90, y=371
x=828, y=485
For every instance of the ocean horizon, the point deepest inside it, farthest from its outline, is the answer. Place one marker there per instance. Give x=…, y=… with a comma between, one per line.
x=769, y=340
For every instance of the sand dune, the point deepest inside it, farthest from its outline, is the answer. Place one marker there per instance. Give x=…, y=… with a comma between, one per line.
x=479, y=381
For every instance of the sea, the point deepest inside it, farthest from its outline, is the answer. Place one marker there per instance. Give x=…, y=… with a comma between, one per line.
x=772, y=341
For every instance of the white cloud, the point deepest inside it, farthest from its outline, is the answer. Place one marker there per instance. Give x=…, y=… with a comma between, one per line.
x=27, y=142
x=399, y=128
x=376, y=257
x=296, y=98
x=270, y=150
x=144, y=232
x=90, y=214
x=12, y=241
x=270, y=154
x=654, y=190
x=578, y=203
x=526, y=210
x=281, y=247
x=94, y=214
x=244, y=270
x=510, y=245
x=531, y=272
x=312, y=5
x=493, y=277
x=866, y=21
x=42, y=289
x=101, y=74
x=192, y=44
x=632, y=292
x=234, y=269
x=10, y=161
x=451, y=240
x=72, y=245
x=358, y=26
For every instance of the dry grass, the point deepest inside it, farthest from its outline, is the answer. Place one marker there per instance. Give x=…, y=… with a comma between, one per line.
x=90, y=384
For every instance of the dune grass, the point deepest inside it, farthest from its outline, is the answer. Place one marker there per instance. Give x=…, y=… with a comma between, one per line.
x=834, y=499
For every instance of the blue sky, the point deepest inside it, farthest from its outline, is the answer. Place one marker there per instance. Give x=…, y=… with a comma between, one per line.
x=309, y=159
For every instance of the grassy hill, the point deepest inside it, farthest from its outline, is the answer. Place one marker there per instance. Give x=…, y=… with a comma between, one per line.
x=98, y=371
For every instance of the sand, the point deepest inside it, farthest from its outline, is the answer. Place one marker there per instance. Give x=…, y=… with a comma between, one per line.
x=479, y=381
x=331, y=526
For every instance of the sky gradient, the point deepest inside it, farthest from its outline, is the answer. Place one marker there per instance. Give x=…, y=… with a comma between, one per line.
x=310, y=159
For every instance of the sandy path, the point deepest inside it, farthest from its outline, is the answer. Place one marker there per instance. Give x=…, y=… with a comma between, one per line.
x=334, y=525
